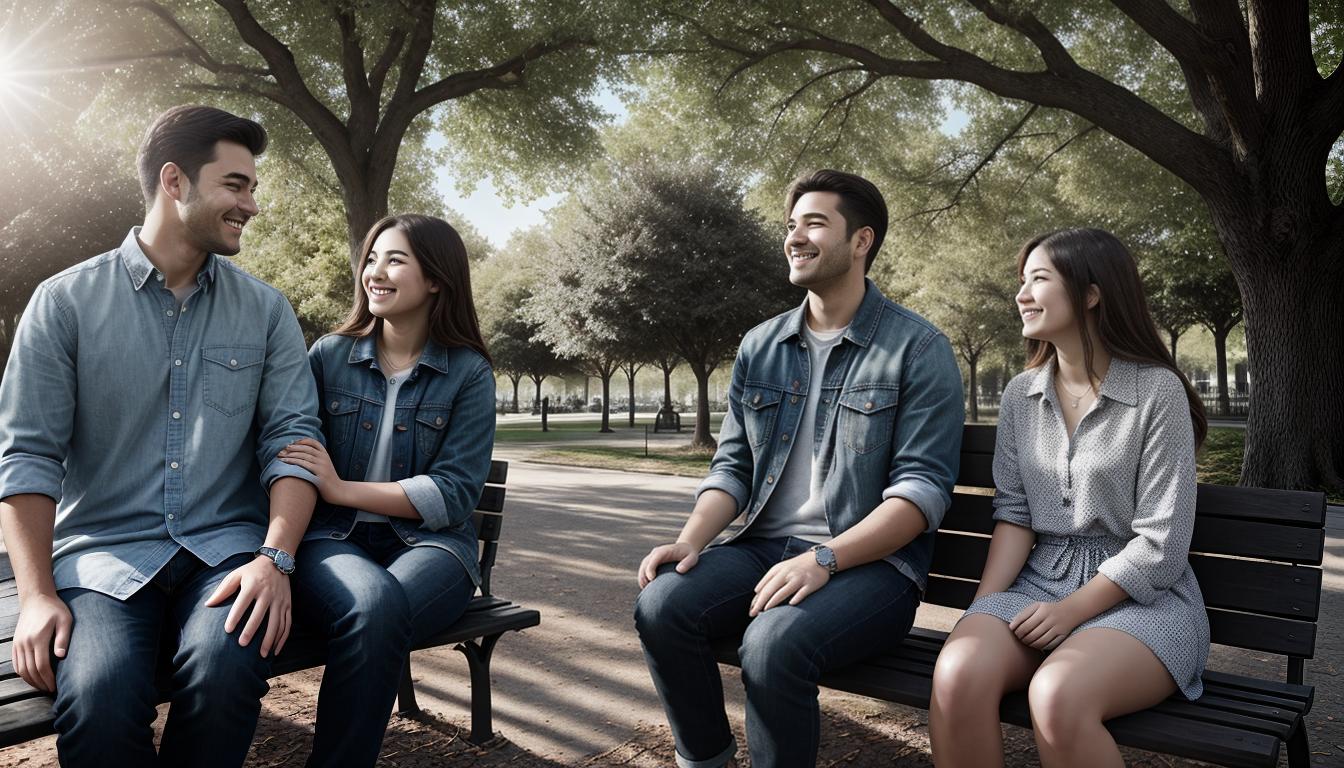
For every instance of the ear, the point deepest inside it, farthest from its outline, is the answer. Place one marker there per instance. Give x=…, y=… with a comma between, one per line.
x=173, y=182
x=863, y=241
x=1093, y=296
x=433, y=287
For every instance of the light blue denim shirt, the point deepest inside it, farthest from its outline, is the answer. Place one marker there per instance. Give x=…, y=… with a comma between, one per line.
x=888, y=425
x=153, y=425
x=441, y=441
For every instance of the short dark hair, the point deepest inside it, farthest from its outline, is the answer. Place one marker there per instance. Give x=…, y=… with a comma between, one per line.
x=186, y=136
x=861, y=203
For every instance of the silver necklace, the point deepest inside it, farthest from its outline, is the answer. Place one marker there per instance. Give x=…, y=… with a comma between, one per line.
x=1076, y=397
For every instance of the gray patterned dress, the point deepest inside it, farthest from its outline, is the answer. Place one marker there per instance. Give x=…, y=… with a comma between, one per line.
x=1119, y=499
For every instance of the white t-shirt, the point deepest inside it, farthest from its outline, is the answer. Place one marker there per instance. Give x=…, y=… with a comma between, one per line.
x=380, y=463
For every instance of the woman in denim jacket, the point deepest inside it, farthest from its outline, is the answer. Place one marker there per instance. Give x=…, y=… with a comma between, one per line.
x=407, y=399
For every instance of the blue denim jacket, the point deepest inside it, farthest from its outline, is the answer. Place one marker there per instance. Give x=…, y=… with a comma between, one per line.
x=441, y=445
x=154, y=424
x=888, y=425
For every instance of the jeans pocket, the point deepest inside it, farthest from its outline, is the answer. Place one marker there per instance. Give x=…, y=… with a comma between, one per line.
x=232, y=377
x=867, y=416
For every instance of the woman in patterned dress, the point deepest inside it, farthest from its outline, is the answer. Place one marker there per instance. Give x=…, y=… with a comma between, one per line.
x=1087, y=598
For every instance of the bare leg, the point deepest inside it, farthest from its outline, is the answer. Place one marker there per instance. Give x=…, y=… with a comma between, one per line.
x=981, y=661
x=1095, y=675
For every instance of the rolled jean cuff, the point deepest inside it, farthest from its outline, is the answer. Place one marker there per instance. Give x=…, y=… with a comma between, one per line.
x=717, y=761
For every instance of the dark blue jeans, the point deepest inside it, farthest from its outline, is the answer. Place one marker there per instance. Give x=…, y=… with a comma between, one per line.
x=373, y=597
x=105, y=694
x=860, y=612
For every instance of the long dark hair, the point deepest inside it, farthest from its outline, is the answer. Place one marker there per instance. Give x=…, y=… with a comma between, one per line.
x=1085, y=257
x=443, y=258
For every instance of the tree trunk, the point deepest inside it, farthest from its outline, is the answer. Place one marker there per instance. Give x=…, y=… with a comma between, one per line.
x=975, y=404
x=1291, y=280
x=363, y=208
x=630, y=376
x=606, y=400
x=667, y=388
x=1220, y=349
x=702, y=437
x=515, y=378
x=1173, y=335
x=536, y=402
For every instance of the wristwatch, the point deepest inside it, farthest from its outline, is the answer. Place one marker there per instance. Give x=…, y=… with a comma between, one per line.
x=284, y=562
x=825, y=557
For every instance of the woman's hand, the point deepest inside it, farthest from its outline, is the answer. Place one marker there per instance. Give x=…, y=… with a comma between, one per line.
x=312, y=456
x=1044, y=625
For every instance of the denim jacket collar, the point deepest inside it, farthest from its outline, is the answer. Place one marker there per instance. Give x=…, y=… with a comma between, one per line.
x=1121, y=383
x=861, y=328
x=365, y=350
x=140, y=268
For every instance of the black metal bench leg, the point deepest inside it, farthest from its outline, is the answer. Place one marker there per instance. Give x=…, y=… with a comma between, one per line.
x=1299, y=753
x=478, y=660
x=406, y=704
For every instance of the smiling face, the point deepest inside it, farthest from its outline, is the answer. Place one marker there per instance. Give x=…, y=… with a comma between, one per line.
x=219, y=204
x=1044, y=302
x=816, y=246
x=393, y=280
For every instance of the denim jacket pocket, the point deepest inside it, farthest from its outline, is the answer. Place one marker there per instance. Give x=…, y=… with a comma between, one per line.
x=430, y=423
x=232, y=377
x=867, y=416
x=760, y=408
x=340, y=413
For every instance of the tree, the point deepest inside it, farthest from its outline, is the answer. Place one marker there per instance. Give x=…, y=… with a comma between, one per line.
x=1235, y=106
x=697, y=268
x=356, y=78
x=503, y=285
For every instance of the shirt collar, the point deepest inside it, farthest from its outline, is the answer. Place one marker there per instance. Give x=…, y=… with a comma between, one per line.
x=365, y=351
x=862, y=327
x=141, y=269
x=1121, y=383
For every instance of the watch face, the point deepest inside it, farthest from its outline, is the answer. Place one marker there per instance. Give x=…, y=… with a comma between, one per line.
x=282, y=559
x=825, y=557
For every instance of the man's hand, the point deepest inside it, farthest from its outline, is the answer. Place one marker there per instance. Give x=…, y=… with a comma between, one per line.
x=312, y=456
x=681, y=553
x=262, y=586
x=1044, y=625
x=793, y=580
x=44, y=622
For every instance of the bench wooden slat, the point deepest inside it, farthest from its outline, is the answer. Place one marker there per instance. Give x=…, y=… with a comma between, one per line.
x=492, y=499
x=1264, y=504
x=1248, y=538
x=969, y=513
x=1287, y=637
x=958, y=555
x=488, y=525
x=1291, y=591
x=978, y=438
x=977, y=470
x=954, y=593
x=499, y=472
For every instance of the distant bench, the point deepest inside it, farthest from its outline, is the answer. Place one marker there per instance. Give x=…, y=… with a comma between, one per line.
x=25, y=713
x=1256, y=553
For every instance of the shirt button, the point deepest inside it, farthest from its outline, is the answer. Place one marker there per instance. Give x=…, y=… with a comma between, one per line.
x=367, y=425
x=170, y=313
x=177, y=362
x=177, y=414
x=784, y=438
x=174, y=465
x=438, y=421
x=401, y=427
x=769, y=478
x=170, y=516
x=755, y=399
x=233, y=363
x=793, y=399
x=158, y=277
x=868, y=406
x=184, y=307
x=795, y=383
x=410, y=539
x=826, y=400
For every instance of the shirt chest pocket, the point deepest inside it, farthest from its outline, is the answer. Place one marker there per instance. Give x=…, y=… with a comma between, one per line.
x=339, y=416
x=760, y=409
x=232, y=377
x=431, y=422
x=867, y=416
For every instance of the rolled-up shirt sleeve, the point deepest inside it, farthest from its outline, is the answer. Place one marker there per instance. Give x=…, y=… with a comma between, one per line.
x=287, y=401
x=458, y=471
x=37, y=399
x=926, y=439
x=1010, y=495
x=1166, y=485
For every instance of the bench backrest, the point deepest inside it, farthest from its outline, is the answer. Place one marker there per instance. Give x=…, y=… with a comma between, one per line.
x=489, y=519
x=1256, y=552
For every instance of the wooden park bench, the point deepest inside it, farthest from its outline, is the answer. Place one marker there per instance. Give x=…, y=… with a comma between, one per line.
x=1256, y=553
x=25, y=713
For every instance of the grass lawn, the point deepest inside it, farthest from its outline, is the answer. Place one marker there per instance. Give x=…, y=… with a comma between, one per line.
x=1219, y=461
x=684, y=461
x=529, y=430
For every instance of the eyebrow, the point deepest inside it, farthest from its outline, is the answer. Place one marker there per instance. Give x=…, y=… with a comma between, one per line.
x=243, y=177
x=813, y=215
x=389, y=252
x=1038, y=269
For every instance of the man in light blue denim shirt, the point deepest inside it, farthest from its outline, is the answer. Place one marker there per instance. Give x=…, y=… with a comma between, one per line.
x=147, y=395
x=840, y=447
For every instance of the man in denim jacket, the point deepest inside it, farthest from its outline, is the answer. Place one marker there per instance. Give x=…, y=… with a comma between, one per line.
x=840, y=446
x=147, y=395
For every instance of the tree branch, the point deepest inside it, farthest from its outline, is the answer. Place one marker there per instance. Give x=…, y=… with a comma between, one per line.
x=506, y=74
x=1053, y=52
x=363, y=117
x=1052, y=153
x=195, y=52
x=378, y=75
